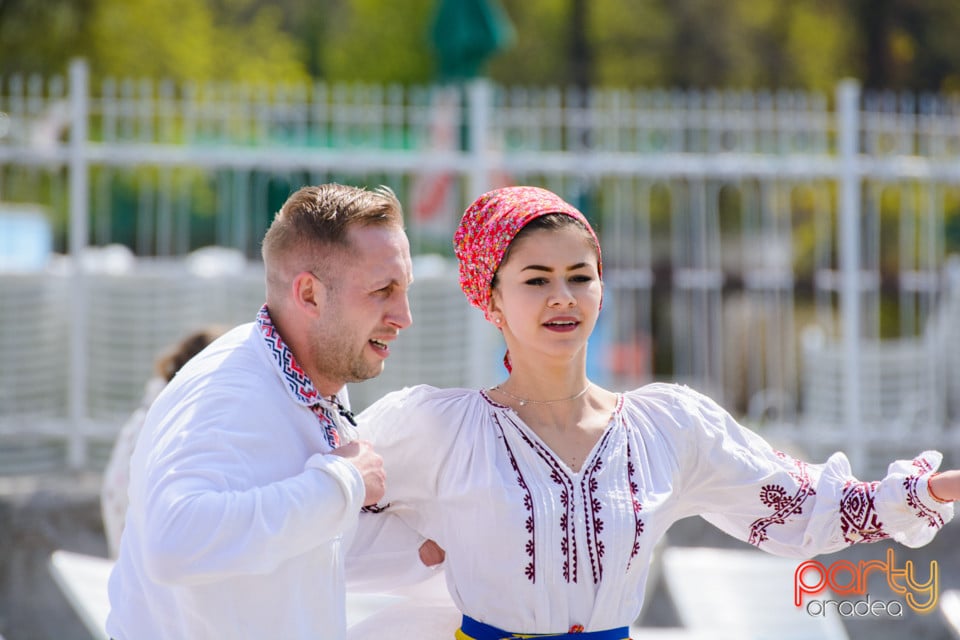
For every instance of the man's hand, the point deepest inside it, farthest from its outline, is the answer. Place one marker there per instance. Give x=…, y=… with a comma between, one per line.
x=431, y=554
x=368, y=462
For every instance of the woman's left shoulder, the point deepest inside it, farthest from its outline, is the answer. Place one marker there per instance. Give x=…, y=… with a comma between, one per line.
x=421, y=396
x=664, y=395
x=427, y=407
x=674, y=407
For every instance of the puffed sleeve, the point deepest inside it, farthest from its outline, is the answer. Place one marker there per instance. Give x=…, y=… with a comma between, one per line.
x=734, y=479
x=384, y=554
x=414, y=430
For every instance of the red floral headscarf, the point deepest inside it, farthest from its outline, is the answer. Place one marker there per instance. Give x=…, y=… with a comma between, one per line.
x=488, y=227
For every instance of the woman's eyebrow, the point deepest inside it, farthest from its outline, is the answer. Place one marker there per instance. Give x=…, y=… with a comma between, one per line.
x=540, y=267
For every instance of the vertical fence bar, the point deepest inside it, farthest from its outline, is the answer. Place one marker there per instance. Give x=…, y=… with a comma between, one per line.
x=848, y=132
x=79, y=199
x=479, y=106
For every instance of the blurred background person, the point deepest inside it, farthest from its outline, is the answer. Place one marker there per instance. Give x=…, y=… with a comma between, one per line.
x=116, y=475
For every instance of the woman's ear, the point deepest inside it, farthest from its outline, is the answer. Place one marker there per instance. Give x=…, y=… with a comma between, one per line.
x=494, y=314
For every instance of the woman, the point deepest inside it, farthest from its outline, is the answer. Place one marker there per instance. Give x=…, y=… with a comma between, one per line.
x=549, y=493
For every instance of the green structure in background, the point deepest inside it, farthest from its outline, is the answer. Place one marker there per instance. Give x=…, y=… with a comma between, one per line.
x=465, y=34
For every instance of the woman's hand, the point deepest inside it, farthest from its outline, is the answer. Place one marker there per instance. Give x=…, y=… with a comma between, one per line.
x=945, y=486
x=431, y=554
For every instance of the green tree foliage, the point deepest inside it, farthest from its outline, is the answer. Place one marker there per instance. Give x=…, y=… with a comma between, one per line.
x=683, y=43
x=376, y=41
x=186, y=39
x=803, y=44
x=178, y=39
x=907, y=44
x=629, y=39
x=38, y=36
x=538, y=55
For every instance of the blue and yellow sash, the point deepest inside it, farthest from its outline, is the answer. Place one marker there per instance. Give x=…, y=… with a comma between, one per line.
x=471, y=629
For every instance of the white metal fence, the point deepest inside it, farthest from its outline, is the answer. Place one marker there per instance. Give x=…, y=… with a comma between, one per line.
x=735, y=226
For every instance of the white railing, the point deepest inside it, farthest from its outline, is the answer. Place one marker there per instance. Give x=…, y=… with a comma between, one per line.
x=730, y=220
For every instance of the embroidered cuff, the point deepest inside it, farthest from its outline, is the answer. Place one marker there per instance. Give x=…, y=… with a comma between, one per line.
x=925, y=506
x=930, y=489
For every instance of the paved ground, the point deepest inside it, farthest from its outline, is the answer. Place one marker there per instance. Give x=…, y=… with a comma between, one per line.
x=37, y=516
x=945, y=550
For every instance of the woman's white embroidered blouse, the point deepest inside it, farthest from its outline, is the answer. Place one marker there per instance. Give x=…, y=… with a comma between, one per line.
x=534, y=546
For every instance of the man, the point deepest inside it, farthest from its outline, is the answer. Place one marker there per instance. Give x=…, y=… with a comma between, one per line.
x=243, y=495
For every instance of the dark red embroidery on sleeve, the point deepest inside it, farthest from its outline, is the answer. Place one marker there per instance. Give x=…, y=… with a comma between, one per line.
x=859, y=521
x=910, y=484
x=784, y=505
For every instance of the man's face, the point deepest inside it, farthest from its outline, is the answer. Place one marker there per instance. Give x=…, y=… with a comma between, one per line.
x=366, y=305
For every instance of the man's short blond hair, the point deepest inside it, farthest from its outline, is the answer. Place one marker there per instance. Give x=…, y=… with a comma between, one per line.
x=321, y=215
x=312, y=226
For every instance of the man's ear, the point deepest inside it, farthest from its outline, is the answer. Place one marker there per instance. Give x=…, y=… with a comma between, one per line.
x=308, y=292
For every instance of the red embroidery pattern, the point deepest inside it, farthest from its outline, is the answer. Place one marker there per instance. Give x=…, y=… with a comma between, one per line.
x=589, y=486
x=910, y=483
x=530, y=548
x=568, y=541
x=594, y=525
x=775, y=496
x=592, y=506
x=859, y=521
x=637, y=507
x=299, y=383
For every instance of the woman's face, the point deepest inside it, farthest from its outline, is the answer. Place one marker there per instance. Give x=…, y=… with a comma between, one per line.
x=548, y=291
